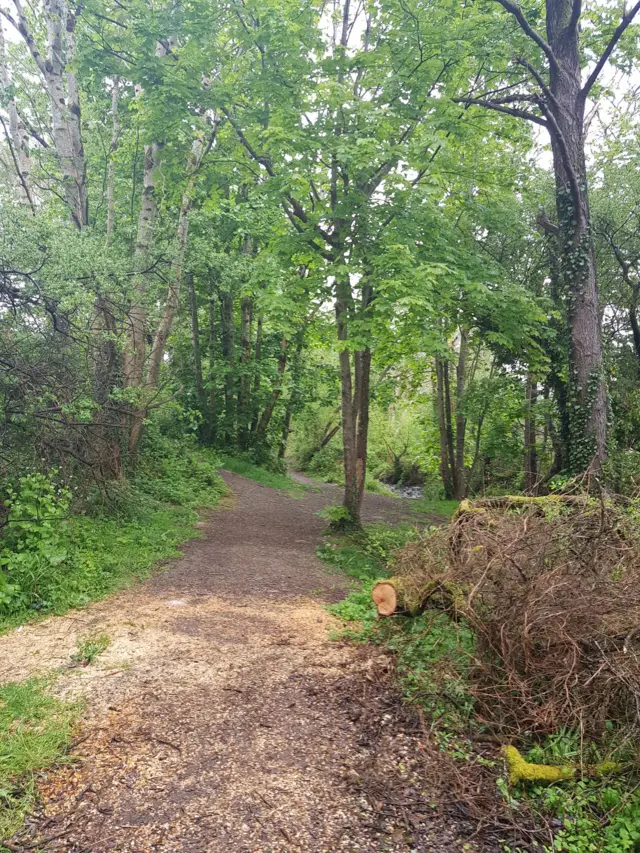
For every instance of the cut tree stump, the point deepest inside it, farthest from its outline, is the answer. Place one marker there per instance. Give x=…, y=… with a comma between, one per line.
x=401, y=595
x=385, y=597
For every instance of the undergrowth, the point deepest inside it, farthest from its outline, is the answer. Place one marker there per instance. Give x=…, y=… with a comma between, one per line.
x=35, y=731
x=56, y=555
x=433, y=655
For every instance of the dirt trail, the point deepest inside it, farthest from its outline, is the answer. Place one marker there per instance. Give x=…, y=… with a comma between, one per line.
x=222, y=718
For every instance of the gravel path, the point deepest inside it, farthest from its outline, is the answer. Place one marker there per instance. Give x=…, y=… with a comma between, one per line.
x=222, y=718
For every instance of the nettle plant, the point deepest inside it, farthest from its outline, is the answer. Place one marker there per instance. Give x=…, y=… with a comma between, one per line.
x=33, y=545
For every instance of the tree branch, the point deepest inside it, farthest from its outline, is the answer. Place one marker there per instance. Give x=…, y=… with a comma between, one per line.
x=615, y=38
x=22, y=27
x=539, y=80
x=510, y=111
x=526, y=27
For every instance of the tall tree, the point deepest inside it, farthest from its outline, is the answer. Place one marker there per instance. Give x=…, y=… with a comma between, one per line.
x=554, y=95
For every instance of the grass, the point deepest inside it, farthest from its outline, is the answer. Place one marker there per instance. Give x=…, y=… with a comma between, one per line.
x=35, y=732
x=272, y=479
x=436, y=507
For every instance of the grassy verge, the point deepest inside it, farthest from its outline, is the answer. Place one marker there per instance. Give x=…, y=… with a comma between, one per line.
x=35, y=732
x=437, y=507
x=433, y=655
x=69, y=558
x=262, y=475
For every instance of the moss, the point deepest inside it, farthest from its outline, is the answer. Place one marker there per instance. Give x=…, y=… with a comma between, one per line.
x=522, y=771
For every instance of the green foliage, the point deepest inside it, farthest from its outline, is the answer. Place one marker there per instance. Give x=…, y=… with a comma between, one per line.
x=35, y=731
x=337, y=516
x=75, y=558
x=34, y=547
x=89, y=648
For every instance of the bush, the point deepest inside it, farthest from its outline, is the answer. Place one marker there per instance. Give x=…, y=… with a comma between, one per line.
x=53, y=558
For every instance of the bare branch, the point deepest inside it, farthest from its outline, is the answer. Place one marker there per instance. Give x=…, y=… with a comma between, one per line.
x=615, y=38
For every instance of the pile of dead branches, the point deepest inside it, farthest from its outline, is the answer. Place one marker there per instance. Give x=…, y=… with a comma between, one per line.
x=551, y=587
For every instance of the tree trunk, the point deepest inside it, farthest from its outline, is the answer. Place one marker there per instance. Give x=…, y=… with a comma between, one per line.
x=17, y=138
x=65, y=109
x=445, y=467
x=460, y=477
x=351, y=493
x=195, y=338
x=294, y=397
x=134, y=354
x=256, y=376
x=244, y=391
x=213, y=408
x=448, y=414
x=264, y=421
x=228, y=353
x=565, y=116
x=530, y=447
x=111, y=170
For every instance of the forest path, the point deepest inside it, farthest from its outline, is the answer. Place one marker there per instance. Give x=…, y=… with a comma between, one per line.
x=222, y=718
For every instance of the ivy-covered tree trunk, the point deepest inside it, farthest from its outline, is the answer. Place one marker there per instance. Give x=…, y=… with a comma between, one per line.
x=565, y=114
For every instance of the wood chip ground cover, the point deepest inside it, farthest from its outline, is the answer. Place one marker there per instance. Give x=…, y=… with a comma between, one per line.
x=221, y=718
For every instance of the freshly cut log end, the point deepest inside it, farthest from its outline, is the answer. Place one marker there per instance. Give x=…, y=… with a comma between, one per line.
x=385, y=597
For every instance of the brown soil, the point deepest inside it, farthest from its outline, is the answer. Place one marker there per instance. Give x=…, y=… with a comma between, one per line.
x=222, y=718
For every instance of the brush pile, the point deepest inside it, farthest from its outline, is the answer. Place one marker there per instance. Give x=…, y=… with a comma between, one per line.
x=551, y=588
